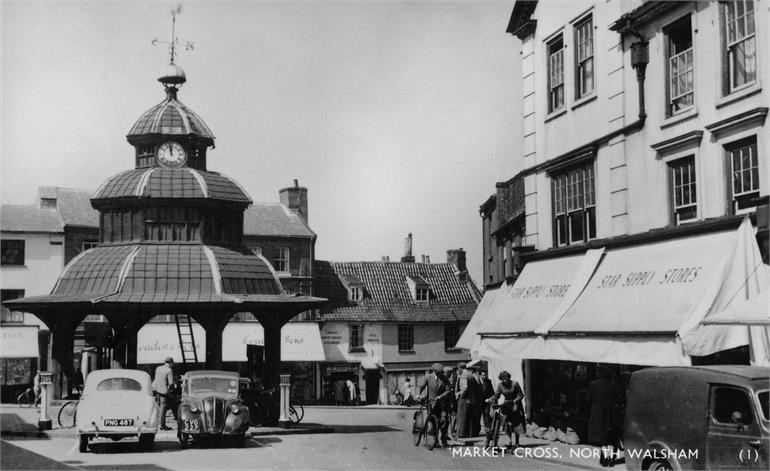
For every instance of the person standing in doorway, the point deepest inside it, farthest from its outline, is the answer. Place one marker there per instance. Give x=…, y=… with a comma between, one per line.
x=602, y=396
x=408, y=392
x=351, y=391
x=162, y=385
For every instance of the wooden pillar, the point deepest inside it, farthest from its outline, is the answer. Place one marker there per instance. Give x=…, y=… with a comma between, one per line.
x=62, y=326
x=272, y=369
x=120, y=345
x=214, y=324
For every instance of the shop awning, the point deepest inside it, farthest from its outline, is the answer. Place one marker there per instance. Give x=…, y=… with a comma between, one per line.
x=544, y=289
x=300, y=341
x=469, y=340
x=19, y=341
x=645, y=305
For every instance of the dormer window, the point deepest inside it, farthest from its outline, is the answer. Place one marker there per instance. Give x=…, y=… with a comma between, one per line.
x=354, y=286
x=419, y=287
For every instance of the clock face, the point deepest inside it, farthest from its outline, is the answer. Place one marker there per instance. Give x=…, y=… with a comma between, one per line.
x=171, y=154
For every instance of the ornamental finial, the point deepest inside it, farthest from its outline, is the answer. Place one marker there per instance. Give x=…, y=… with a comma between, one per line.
x=174, y=75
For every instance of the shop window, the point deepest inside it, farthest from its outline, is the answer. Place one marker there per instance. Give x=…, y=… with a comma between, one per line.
x=584, y=58
x=356, y=337
x=281, y=260
x=679, y=55
x=451, y=335
x=730, y=406
x=744, y=173
x=9, y=316
x=405, y=338
x=555, y=74
x=739, y=55
x=684, y=196
x=12, y=252
x=574, y=206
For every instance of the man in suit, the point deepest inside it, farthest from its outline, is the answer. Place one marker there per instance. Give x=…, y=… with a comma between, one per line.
x=434, y=389
x=462, y=401
x=474, y=392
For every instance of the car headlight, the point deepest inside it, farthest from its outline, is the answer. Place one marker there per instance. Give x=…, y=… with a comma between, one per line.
x=235, y=409
x=194, y=409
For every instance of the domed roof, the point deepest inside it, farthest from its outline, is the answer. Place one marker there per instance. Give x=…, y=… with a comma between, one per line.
x=162, y=273
x=171, y=117
x=183, y=182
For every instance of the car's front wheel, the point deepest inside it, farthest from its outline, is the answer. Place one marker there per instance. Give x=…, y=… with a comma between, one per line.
x=146, y=441
x=83, y=443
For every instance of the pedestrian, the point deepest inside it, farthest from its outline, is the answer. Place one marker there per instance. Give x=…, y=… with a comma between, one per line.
x=512, y=407
x=339, y=392
x=407, y=392
x=163, y=385
x=351, y=391
x=451, y=400
x=462, y=401
x=434, y=389
x=36, y=388
x=602, y=397
x=475, y=401
x=487, y=390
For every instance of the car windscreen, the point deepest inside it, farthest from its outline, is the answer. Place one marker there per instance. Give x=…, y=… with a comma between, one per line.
x=214, y=385
x=119, y=384
x=764, y=399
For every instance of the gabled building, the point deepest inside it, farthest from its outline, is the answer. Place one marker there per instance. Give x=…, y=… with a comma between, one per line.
x=386, y=321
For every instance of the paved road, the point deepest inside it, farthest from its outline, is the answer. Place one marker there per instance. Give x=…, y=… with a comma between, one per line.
x=363, y=439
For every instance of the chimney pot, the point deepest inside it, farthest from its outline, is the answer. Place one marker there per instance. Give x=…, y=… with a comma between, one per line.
x=386, y=258
x=408, y=257
x=457, y=257
x=295, y=198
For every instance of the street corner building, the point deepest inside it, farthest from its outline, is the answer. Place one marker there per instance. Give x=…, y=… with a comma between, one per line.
x=637, y=233
x=387, y=321
x=170, y=242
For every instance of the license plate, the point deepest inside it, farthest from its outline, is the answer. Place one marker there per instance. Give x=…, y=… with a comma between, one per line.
x=118, y=422
x=191, y=425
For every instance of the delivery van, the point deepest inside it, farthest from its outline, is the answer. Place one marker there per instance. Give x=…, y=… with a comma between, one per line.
x=698, y=417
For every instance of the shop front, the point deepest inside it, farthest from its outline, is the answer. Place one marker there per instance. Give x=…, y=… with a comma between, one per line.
x=622, y=308
x=19, y=359
x=359, y=361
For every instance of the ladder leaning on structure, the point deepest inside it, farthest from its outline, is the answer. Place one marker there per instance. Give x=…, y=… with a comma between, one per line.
x=186, y=339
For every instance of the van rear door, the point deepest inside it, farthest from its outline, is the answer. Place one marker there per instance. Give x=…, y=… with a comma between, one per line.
x=734, y=434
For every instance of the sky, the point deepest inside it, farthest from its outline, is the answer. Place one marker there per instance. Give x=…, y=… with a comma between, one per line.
x=398, y=117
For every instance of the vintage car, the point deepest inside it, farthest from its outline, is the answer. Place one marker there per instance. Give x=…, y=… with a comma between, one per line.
x=698, y=417
x=117, y=404
x=211, y=407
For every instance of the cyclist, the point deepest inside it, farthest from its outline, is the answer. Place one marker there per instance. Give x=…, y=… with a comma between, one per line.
x=512, y=407
x=436, y=390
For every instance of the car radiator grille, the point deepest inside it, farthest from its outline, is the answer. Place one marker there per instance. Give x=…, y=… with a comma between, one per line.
x=214, y=410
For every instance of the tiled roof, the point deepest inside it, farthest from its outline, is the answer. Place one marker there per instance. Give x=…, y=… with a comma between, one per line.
x=387, y=297
x=165, y=273
x=182, y=182
x=74, y=205
x=171, y=117
x=29, y=218
x=274, y=219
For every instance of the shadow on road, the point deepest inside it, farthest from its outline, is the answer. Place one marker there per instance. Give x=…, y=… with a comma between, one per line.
x=364, y=428
x=14, y=457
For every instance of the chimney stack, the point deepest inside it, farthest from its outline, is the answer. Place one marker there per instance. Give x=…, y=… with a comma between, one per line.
x=457, y=257
x=426, y=259
x=295, y=198
x=408, y=257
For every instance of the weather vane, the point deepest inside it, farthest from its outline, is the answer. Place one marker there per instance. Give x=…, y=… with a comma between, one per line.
x=188, y=46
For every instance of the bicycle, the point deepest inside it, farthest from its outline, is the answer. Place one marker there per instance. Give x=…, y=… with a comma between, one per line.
x=26, y=399
x=68, y=414
x=493, y=434
x=396, y=398
x=425, y=424
x=296, y=412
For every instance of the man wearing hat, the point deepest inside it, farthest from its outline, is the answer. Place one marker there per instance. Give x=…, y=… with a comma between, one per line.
x=434, y=389
x=162, y=386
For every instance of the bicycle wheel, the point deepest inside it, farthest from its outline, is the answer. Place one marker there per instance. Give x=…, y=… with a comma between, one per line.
x=68, y=414
x=417, y=426
x=431, y=432
x=493, y=434
x=26, y=399
x=299, y=410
